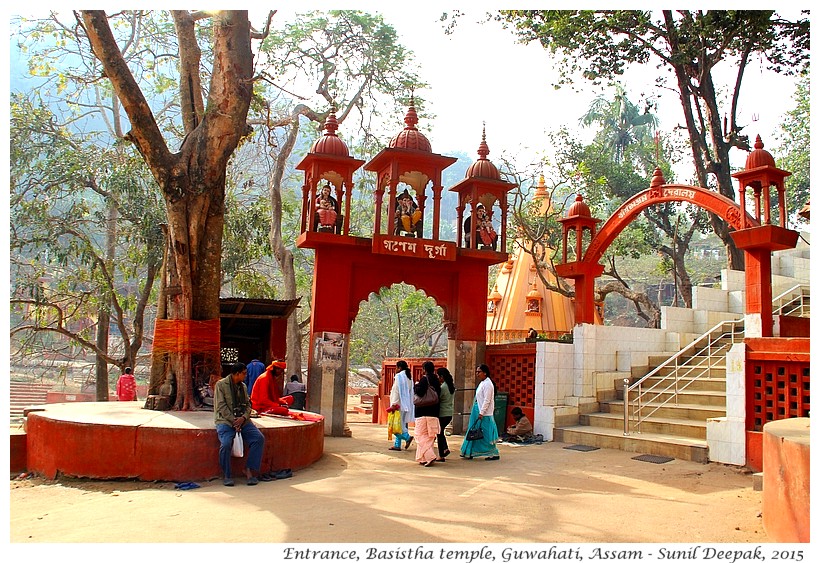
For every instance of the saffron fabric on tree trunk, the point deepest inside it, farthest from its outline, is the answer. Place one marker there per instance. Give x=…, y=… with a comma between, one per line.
x=186, y=336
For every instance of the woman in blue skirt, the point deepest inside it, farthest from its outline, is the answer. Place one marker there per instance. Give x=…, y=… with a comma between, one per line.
x=482, y=417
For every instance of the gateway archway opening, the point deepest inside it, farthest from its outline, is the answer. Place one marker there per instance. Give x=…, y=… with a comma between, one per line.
x=394, y=322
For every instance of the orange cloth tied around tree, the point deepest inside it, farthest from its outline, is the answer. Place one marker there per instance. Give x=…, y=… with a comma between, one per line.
x=186, y=336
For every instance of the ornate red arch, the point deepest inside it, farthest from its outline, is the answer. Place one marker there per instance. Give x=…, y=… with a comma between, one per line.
x=718, y=204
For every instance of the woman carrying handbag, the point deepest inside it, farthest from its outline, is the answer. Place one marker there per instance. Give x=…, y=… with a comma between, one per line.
x=426, y=400
x=482, y=426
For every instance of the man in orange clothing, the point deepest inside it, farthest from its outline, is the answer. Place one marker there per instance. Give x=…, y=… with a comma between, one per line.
x=266, y=397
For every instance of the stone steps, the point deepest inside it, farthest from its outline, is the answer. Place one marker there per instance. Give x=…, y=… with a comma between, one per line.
x=23, y=394
x=678, y=447
x=687, y=396
x=680, y=411
x=685, y=427
x=690, y=384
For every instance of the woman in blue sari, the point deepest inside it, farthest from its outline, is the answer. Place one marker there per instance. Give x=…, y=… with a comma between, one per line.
x=482, y=417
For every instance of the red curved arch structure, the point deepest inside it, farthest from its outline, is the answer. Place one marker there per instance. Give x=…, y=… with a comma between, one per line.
x=586, y=270
x=718, y=204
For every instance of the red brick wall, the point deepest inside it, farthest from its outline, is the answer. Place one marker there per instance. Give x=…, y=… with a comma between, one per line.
x=512, y=369
x=777, y=387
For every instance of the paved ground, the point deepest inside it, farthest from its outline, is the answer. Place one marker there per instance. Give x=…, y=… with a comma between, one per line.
x=362, y=492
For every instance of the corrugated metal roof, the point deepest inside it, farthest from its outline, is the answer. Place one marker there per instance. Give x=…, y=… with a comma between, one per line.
x=257, y=308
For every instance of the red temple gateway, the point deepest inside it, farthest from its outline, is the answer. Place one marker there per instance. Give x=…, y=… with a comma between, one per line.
x=406, y=246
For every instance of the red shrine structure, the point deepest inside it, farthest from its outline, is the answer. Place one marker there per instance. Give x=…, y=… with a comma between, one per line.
x=405, y=246
x=766, y=420
x=755, y=233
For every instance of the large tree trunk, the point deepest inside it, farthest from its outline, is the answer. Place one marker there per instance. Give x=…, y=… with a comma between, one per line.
x=159, y=361
x=195, y=230
x=192, y=180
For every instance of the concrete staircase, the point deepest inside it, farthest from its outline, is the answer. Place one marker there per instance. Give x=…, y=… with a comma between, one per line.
x=677, y=429
x=23, y=394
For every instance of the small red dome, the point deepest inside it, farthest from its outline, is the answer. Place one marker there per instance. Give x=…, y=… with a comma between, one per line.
x=759, y=157
x=330, y=143
x=579, y=208
x=483, y=168
x=657, y=178
x=410, y=137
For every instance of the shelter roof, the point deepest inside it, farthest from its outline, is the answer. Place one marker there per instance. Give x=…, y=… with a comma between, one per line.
x=256, y=308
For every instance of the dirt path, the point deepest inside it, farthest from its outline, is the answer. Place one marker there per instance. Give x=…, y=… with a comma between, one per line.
x=362, y=492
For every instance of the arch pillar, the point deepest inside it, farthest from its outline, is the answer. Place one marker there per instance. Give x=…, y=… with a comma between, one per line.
x=584, y=275
x=329, y=342
x=327, y=381
x=462, y=358
x=758, y=244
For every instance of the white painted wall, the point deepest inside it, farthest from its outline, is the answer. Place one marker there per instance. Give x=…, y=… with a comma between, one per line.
x=726, y=435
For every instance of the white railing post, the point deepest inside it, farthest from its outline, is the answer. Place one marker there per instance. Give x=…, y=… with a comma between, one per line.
x=626, y=407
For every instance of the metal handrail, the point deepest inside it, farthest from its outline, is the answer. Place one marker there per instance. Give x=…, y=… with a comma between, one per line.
x=793, y=301
x=697, y=359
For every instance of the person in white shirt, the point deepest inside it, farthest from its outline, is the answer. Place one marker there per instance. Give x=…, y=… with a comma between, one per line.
x=481, y=417
x=294, y=385
x=401, y=399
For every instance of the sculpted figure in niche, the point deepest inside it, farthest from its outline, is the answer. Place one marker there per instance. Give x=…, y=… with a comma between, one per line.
x=408, y=216
x=327, y=211
x=487, y=238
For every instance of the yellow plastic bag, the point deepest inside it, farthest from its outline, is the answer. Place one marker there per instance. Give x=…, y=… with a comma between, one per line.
x=393, y=424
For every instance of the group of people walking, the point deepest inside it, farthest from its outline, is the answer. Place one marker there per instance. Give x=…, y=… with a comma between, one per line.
x=429, y=404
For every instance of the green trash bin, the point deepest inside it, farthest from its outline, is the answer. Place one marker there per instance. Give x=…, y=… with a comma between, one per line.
x=500, y=411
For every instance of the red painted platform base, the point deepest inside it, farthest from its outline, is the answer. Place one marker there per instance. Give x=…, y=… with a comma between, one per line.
x=116, y=440
x=787, y=480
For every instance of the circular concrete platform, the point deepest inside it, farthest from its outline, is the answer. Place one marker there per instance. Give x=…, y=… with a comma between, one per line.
x=113, y=440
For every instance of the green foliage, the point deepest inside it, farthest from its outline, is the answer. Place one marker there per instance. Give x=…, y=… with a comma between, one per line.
x=245, y=246
x=601, y=44
x=348, y=56
x=795, y=153
x=621, y=123
x=62, y=185
x=71, y=79
x=397, y=321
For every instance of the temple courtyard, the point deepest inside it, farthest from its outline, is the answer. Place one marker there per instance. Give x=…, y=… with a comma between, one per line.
x=359, y=491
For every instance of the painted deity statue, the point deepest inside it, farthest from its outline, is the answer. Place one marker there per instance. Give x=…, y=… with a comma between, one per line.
x=487, y=237
x=327, y=210
x=408, y=216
